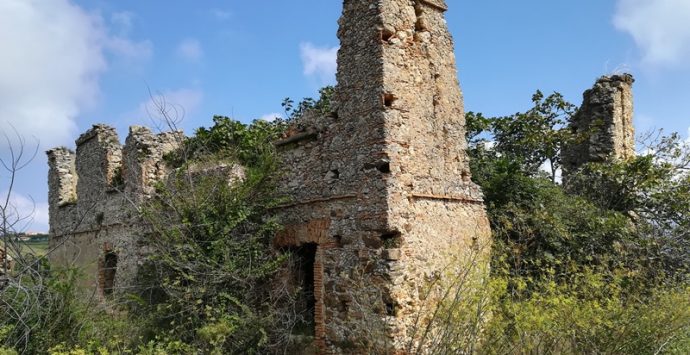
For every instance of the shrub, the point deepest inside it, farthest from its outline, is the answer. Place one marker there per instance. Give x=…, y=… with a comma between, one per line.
x=207, y=278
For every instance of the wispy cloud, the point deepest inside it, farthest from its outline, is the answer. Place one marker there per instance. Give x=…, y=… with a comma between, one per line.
x=123, y=22
x=49, y=77
x=319, y=62
x=130, y=51
x=122, y=45
x=25, y=214
x=190, y=50
x=270, y=117
x=221, y=15
x=659, y=27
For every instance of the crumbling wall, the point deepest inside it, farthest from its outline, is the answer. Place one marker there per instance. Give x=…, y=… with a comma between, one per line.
x=382, y=185
x=438, y=211
x=381, y=207
x=93, y=199
x=603, y=125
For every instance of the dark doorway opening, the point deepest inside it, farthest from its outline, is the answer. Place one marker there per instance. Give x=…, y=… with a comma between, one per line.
x=108, y=272
x=304, y=258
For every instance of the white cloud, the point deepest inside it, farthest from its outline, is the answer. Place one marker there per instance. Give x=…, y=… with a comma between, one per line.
x=123, y=22
x=53, y=54
x=190, y=50
x=221, y=15
x=659, y=27
x=121, y=45
x=319, y=62
x=131, y=51
x=270, y=117
x=51, y=59
x=24, y=214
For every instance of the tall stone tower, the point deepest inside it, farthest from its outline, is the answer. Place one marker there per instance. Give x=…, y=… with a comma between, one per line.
x=383, y=212
x=603, y=124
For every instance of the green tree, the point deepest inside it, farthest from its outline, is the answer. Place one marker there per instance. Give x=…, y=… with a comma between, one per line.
x=599, y=266
x=322, y=105
x=207, y=277
x=528, y=139
x=626, y=217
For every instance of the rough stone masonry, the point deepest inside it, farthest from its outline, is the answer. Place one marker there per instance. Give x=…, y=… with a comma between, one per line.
x=381, y=187
x=382, y=202
x=603, y=124
x=93, y=198
x=383, y=213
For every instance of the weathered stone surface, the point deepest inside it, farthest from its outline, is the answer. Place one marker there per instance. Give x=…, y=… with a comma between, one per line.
x=606, y=120
x=382, y=207
x=387, y=176
x=63, y=177
x=93, y=200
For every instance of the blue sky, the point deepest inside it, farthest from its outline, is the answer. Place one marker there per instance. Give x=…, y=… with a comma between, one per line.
x=67, y=64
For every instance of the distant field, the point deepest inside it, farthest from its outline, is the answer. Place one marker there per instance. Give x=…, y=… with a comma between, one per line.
x=38, y=248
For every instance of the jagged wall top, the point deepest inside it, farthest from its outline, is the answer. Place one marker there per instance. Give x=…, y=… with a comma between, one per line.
x=604, y=122
x=102, y=165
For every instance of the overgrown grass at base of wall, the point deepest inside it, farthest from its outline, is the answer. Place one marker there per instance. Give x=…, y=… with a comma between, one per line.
x=568, y=320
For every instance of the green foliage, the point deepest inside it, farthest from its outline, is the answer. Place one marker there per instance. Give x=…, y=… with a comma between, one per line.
x=546, y=231
x=4, y=331
x=619, y=218
x=48, y=312
x=322, y=106
x=589, y=315
x=599, y=266
x=655, y=186
x=528, y=139
x=211, y=261
x=231, y=140
x=575, y=319
x=40, y=310
x=653, y=191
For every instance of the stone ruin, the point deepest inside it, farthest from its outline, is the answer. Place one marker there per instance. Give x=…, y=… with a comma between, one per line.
x=603, y=124
x=382, y=204
x=382, y=198
x=93, y=194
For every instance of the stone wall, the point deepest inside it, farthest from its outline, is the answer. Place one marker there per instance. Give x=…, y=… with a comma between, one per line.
x=382, y=185
x=603, y=124
x=382, y=213
x=93, y=199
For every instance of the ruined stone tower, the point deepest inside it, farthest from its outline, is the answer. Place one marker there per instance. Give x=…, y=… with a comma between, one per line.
x=93, y=197
x=603, y=124
x=383, y=206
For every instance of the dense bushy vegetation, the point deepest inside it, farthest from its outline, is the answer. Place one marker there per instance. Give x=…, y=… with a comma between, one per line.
x=206, y=282
x=597, y=265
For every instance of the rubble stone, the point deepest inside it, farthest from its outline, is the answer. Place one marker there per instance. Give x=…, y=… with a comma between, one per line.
x=382, y=209
x=605, y=120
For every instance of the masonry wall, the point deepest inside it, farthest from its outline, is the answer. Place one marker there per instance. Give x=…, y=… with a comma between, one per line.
x=604, y=124
x=434, y=205
x=93, y=196
x=380, y=188
x=382, y=184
